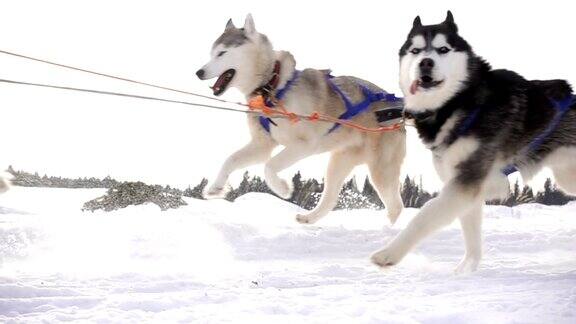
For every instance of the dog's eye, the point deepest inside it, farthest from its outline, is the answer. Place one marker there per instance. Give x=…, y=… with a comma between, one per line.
x=443, y=50
x=221, y=53
x=415, y=51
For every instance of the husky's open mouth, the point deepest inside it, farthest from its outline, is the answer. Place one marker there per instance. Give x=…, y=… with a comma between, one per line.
x=425, y=82
x=223, y=81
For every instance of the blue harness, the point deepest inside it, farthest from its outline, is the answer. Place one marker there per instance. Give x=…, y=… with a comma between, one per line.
x=265, y=121
x=561, y=107
x=352, y=110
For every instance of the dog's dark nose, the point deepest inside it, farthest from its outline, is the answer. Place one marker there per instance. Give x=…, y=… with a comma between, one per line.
x=426, y=65
x=200, y=73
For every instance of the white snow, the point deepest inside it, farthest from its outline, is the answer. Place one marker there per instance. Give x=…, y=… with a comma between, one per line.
x=250, y=262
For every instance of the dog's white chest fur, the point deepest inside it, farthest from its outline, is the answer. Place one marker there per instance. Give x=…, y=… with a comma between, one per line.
x=447, y=159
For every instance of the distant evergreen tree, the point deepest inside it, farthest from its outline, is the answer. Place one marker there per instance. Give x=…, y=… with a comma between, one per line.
x=198, y=191
x=409, y=192
x=413, y=195
x=351, y=198
x=551, y=195
x=371, y=194
x=297, y=185
x=25, y=179
x=526, y=196
x=512, y=199
x=258, y=184
x=242, y=189
x=306, y=192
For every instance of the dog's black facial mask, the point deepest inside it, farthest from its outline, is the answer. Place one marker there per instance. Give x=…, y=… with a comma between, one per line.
x=447, y=28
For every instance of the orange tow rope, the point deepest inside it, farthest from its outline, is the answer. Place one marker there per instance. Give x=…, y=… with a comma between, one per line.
x=258, y=103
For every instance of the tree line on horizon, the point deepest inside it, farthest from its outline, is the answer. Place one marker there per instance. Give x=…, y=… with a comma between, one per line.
x=307, y=192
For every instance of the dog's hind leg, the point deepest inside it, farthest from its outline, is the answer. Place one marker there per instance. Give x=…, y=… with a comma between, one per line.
x=386, y=180
x=257, y=151
x=340, y=165
x=471, y=228
x=385, y=164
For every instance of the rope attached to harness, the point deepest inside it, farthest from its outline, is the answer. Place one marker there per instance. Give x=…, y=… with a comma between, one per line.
x=271, y=101
x=258, y=106
x=127, y=95
x=267, y=103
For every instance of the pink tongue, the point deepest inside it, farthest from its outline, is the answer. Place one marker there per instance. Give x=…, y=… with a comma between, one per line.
x=414, y=87
x=219, y=82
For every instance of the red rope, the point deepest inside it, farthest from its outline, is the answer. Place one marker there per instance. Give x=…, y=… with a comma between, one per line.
x=258, y=103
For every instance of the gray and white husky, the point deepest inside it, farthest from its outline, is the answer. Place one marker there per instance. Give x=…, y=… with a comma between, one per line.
x=245, y=59
x=480, y=124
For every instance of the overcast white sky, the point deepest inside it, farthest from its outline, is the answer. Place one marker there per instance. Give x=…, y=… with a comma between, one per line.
x=165, y=42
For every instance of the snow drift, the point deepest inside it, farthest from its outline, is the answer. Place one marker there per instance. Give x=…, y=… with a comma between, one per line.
x=249, y=261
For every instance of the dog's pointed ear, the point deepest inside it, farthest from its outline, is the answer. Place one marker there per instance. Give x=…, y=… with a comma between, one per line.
x=230, y=24
x=449, y=17
x=249, y=27
x=449, y=21
x=417, y=22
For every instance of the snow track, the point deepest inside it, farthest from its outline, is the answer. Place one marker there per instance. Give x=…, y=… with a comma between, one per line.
x=249, y=261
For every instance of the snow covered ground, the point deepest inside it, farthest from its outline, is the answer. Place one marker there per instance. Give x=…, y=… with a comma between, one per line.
x=250, y=262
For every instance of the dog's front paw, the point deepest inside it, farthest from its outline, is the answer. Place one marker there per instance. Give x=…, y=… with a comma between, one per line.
x=387, y=257
x=468, y=265
x=216, y=192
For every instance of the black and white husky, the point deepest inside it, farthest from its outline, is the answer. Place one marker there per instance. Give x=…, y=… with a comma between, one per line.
x=244, y=58
x=480, y=124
